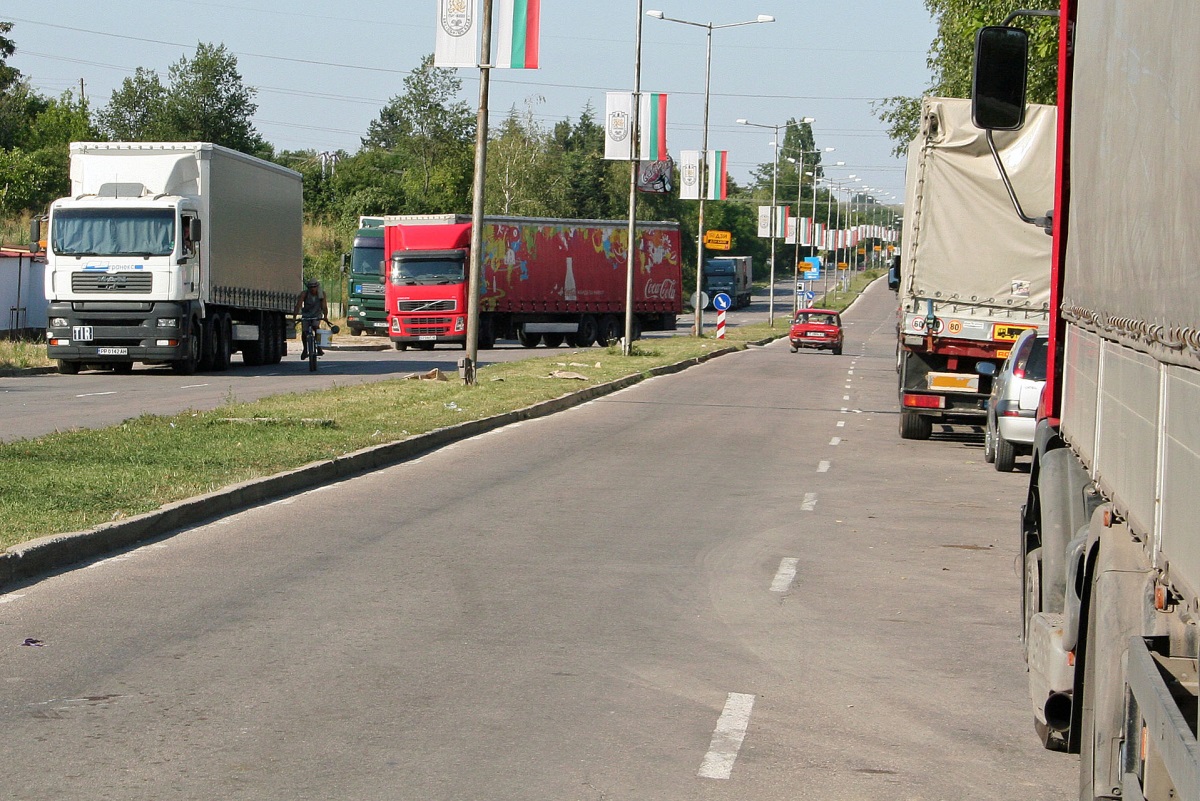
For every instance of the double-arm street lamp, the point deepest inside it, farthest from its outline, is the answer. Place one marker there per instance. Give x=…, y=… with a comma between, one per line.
x=709, y=27
x=774, y=185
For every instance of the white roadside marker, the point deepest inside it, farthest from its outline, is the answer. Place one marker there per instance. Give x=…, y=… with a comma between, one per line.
x=835, y=441
x=809, y=503
x=727, y=739
x=823, y=467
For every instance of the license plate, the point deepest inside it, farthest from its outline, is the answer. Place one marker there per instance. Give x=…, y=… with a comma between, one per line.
x=112, y=351
x=427, y=338
x=81, y=333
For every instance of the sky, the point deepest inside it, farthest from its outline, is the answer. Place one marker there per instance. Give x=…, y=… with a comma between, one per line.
x=323, y=70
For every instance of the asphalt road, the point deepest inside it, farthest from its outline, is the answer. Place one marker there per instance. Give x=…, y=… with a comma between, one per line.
x=736, y=582
x=33, y=405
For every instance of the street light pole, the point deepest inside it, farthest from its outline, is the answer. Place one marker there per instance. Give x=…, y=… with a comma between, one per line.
x=774, y=187
x=709, y=28
x=800, y=173
x=631, y=250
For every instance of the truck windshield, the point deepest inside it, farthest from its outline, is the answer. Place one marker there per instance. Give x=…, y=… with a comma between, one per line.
x=426, y=271
x=113, y=232
x=367, y=260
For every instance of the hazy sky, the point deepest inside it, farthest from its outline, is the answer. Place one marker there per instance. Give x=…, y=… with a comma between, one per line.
x=323, y=70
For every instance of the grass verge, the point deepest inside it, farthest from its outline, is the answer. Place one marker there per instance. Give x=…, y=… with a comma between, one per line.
x=77, y=479
x=19, y=354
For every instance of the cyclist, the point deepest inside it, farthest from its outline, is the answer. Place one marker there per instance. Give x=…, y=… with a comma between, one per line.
x=312, y=308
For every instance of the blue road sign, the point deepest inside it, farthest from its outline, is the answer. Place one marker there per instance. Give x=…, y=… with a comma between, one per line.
x=721, y=301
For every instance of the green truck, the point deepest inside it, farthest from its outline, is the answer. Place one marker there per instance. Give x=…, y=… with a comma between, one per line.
x=366, y=311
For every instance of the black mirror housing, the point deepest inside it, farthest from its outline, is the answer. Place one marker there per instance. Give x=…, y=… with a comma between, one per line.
x=1000, y=78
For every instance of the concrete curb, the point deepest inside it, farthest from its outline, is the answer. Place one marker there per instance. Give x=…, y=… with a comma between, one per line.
x=55, y=552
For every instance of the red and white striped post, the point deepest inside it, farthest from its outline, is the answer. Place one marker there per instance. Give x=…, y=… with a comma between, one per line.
x=721, y=324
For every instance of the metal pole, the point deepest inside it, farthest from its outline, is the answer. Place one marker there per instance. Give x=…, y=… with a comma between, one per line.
x=481, y=137
x=704, y=167
x=774, y=185
x=813, y=222
x=631, y=250
x=799, y=198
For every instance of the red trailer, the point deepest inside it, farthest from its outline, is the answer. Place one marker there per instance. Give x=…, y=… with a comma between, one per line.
x=544, y=280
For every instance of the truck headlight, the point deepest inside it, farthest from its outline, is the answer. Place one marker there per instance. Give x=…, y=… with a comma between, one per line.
x=460, y=323
x=168, y=322
x=59, y=322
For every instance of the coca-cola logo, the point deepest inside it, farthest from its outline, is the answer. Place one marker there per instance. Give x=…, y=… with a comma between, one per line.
x=662, y=290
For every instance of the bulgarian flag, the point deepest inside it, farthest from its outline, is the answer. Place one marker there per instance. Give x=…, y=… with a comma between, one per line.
x=652, y=119
x=520, y=28
x=718, y=174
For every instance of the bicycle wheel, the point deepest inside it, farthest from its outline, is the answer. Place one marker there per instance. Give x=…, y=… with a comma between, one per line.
x=310, y=340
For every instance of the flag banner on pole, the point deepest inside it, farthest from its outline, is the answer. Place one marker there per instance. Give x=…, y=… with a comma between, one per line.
x=652, y=119
x=520, y=33
x=618, y=125
x=799, y=227
x=456, y=43
x=656, y=177
x=765, y=217
x=689, y=175
x=718, y=175
x=789, y=236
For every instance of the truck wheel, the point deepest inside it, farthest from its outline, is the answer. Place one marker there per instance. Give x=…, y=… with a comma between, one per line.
x=527, y=340
x=552, y=340
x=914, y=426
x=608, y=331
x=222, y=344
x=400, y=346
x=356, y=332
x=486, y=339
x=207, y=333
x=187, y=365
x=277, y=338
x=585, y=336
x=1006, y=455
x=68, y=368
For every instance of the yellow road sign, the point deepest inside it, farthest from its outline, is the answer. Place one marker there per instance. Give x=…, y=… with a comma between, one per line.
x=718, y=240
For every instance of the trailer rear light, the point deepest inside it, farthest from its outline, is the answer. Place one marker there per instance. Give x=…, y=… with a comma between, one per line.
x=925, y=401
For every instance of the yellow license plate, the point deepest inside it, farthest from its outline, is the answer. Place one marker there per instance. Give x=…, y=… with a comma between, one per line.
x=1009, y=333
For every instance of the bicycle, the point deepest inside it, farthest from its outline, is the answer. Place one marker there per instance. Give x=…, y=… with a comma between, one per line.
x=308, y=336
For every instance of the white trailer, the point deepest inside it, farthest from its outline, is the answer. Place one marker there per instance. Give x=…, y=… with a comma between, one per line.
x=179, y=253
x=1110, y=528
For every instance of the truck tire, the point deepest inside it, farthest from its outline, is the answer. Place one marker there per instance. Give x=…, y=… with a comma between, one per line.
x=585, y=336
x=487, y=335
x=552, y=340
x=1006, y=455
x=915, y=426
x=208, y=340
x=69, y=368
x=400, y=346
x=188, y=364
x=222, y=343
x=527, y=340
x=276, y=338
x=608, y=330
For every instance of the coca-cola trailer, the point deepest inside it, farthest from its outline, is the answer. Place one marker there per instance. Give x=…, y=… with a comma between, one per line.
x=544, y=280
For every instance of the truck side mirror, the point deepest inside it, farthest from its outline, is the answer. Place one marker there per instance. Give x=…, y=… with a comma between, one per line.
x=1001, y=74
x=194, y=229
x=35, y=235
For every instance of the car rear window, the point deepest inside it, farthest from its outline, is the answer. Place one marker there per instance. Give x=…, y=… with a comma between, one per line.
x=1035, y=367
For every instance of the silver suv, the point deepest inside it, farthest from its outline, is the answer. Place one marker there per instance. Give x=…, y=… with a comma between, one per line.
x=1012, y=407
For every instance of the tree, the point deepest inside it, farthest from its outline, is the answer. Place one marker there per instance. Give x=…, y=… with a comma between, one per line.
x=434, y=134
x=135, y=112
x=517, y=169
x=208, y=102
x=951, y=54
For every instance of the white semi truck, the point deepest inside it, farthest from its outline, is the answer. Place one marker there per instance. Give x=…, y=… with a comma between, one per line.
x=175, y=253
x=1110, y=527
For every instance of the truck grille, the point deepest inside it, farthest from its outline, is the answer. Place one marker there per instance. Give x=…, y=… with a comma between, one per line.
x=428, y=324
x=426, y=305
x=111, y=282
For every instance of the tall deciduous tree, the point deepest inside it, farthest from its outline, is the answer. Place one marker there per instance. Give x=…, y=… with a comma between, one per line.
x=951, y=55
x=135, y=111
x=208, y=102
x=434, y=133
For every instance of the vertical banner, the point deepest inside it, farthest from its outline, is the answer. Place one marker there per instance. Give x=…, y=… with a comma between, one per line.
x=689, y=175
x=618, y=126
x=456, y=43
x=652, y=119
x=780, y=214
x=519, y=35
x=718, y=175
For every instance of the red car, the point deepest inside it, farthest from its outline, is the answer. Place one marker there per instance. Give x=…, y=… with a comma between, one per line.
x=816, y=328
